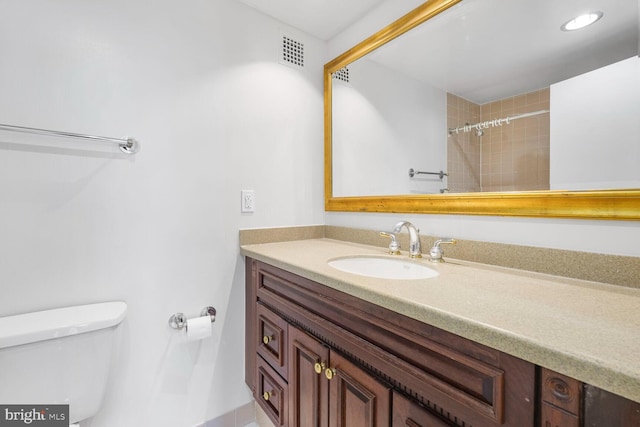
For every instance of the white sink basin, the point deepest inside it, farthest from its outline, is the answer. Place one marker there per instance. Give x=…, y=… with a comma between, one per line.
x=383, y=268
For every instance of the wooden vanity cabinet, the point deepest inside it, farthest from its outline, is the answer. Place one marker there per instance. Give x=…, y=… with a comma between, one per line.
x=390, y=370
x=378, y=356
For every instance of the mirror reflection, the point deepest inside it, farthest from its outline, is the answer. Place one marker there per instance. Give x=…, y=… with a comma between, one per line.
x=492, y=95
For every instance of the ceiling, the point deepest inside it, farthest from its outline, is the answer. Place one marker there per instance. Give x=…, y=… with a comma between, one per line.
x=323, y=19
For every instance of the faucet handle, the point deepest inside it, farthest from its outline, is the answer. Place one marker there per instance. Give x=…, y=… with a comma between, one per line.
x=394, y=247
x=436, y=252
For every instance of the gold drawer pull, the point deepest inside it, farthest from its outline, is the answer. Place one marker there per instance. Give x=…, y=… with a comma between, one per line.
x=267, y=339
x=329, y=373
x=319, y=367
x=267, y=395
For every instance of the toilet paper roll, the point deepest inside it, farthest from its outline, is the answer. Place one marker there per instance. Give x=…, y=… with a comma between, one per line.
x=198, y=328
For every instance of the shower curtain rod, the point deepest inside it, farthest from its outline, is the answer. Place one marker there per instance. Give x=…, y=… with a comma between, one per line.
x=494, y=123
x=127, y=145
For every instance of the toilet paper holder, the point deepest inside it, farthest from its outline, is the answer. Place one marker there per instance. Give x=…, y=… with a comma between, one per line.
x=179, y=320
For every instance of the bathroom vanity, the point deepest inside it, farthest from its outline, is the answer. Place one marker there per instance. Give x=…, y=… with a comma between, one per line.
x=328, y=348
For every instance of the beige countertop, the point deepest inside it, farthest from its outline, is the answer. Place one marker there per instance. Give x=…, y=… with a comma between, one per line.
x=587, y=330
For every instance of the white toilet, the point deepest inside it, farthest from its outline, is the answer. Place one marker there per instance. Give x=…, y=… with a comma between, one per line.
x=59, y=356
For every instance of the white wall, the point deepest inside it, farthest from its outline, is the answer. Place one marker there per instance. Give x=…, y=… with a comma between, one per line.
x=606, y=237
x=197, y=83
x=611, y=237
x=383, y=124
x=595, y=128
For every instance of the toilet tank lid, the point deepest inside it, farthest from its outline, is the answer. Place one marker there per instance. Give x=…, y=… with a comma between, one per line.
x=60, y=322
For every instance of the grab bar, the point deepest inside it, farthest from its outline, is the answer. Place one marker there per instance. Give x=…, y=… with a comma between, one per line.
x=127, y=145
x=413, y=172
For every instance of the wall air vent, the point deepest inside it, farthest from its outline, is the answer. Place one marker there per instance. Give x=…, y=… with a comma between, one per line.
x=292, y=52
x=342, y=74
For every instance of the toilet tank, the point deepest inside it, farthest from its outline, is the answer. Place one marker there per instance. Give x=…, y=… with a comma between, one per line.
x=59, y=356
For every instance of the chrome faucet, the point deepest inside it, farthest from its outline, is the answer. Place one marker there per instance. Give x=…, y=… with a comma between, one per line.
x=436, y=252
x=414, y=238
x=394, y=247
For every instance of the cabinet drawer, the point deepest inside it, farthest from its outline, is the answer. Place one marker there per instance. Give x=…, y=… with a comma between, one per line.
x=271, y=393
x=561, y=391
x=272, y=333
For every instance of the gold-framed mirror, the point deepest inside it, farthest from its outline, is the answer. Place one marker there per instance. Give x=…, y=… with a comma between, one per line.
x=615, y=204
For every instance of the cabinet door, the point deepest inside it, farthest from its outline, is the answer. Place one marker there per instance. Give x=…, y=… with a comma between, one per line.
x=308, y=387
x=356, y=399
x=409, y=414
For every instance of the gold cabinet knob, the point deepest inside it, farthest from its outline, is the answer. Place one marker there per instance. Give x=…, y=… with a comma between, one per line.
x=267, y=339
x=329, y=373
x=267, y=395
x=318, y=367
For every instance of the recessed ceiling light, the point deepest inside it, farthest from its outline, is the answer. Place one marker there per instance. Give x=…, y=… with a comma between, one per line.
x=581, y=21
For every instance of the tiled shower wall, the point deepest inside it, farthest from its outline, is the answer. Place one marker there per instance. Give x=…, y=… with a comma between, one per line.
x=512, y=157
x=463, y=149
